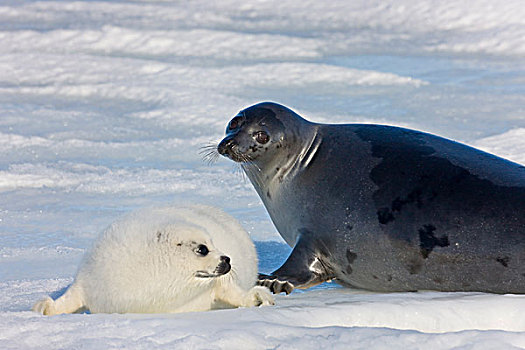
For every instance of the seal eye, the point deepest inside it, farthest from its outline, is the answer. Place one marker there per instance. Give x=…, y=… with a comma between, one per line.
x=234, y=123
x=262, y=137
x=202, y=250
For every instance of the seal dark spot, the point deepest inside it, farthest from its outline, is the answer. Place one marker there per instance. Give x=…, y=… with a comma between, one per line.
x=428, y=240
x=415, y=196
x=415, y=266
x=349, y=227
x=375, y=277
x=389, y=278
x=385, y=216
x=504, y=261
x=268, y=194
x=350, y=256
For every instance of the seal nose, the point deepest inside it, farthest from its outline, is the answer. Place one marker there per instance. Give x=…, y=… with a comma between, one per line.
x=225, y=145
x=224, y=266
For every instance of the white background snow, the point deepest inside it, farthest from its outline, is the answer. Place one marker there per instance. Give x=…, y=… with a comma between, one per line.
x=104, y=106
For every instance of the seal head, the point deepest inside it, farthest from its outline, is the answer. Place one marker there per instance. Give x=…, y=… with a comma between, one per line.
x=260, y=133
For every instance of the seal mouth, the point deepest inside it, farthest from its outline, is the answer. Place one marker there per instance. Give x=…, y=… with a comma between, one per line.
x=238, y=158
x=230, y=149
x=205, y=274
x=223, y=268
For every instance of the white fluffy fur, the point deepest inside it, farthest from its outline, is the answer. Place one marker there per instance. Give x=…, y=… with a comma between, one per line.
x=146, y=263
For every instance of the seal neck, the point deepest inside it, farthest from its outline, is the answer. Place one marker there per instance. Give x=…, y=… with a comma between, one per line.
x=303, y=156
x=271, y=174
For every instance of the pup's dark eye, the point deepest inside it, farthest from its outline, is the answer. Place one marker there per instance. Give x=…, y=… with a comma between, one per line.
x=262, y=137
x=235, y=123
x=202, y=250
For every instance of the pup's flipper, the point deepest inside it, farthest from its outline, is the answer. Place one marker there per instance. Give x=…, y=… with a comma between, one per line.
x=237, y=297
x=71, y=301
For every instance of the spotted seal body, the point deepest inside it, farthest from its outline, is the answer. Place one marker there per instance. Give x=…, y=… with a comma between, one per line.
x=383, y=208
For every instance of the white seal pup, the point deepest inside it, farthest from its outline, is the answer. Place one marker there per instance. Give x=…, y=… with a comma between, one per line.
x=165, y=260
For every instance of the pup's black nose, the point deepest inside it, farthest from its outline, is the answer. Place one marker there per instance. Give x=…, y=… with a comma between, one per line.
x=224, y=266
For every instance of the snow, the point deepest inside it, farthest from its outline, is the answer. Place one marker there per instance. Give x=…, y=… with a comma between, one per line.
x=496, y=144
x=330, y=318
x=105, y=105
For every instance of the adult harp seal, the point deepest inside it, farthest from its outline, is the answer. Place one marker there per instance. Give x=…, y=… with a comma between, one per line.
x=380, y=207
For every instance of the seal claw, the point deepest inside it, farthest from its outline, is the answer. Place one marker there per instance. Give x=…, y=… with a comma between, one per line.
x=275, y=285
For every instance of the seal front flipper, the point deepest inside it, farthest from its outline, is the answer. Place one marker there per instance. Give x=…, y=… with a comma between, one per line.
x=304, y=268
x=274, y=285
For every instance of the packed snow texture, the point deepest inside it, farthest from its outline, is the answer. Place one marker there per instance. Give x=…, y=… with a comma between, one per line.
x=105, y=105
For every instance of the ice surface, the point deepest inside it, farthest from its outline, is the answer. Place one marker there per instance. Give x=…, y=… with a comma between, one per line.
x=105, y=105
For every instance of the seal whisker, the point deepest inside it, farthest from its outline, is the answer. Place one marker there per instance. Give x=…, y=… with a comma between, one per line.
x=209, y=153
x=238, y=170
x=211, y=145
x=242, y=162
x=210, y=157
x=233, y=273
x=254, y=170
x=252, y=164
